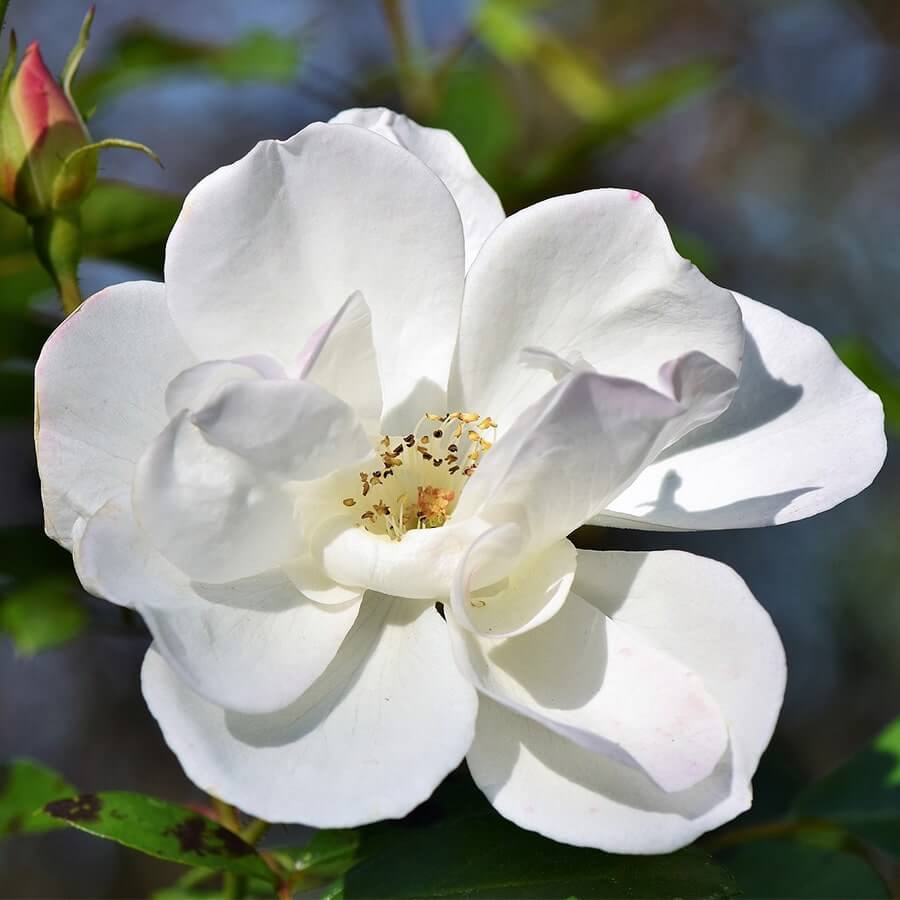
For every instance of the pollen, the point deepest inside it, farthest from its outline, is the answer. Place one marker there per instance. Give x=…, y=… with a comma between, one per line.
x=419, y=480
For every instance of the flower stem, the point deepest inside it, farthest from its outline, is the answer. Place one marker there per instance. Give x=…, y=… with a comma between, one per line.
x=57, y=243
x=416, y=82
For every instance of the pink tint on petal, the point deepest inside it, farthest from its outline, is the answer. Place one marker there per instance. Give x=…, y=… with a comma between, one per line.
x=635, y=195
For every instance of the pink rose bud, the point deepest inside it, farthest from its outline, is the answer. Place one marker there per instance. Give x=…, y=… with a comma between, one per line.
x=40, y=129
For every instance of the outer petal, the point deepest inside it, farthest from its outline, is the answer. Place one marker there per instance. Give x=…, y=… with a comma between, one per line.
x=269, y=247
x=594, y=274
x=253, y=645
x=801, y=435
x=479, y=206
x=546, y=783
x=701, y=613
x=541, y=781
x=100, y=384
x=602, y=685
x=371, y=739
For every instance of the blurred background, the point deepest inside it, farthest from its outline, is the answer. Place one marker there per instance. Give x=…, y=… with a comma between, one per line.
x=766, y=133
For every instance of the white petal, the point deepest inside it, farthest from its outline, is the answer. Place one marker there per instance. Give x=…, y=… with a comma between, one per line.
x=701, y=613
x=268, y=248
x=193, y=388
x=564, y=458
x=294, y=428
x=801, y=435
x=307, y=575
x=340, y=356
x=697, y=612
x=592, y=273
x=546, y=783
x=371, y=739
x=208, y=510
x=253, y=645
x=421, y=566
x=479, y=206
x=100, y=382
x=533, y=590
x=600, y=684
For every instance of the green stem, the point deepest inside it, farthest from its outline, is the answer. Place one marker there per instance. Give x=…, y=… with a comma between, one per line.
x=415, y=82
x=57, y=243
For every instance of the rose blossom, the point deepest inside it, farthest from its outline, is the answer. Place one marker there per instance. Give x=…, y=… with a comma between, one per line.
x=334, y=460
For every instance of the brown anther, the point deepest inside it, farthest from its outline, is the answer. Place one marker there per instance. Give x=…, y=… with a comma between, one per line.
x=349, y=501
x=365, y=488
x=469, y=470
x=438, y=433
x=363, y=476
x=424, y=439
x=453, y=448
x=398, y=449
x=385, y=441
x=453, y=470
x=452, y=457
x=368, y=515
x=437, y=462
x=380, y=509
x=409, y=440
x=426, y=456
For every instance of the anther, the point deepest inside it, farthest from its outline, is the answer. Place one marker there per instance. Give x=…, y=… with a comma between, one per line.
x=349, y=501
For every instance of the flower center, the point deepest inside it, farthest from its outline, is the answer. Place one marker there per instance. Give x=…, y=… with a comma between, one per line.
x=422, y=473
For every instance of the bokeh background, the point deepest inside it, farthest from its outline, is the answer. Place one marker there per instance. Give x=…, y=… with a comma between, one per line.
x=767, y=134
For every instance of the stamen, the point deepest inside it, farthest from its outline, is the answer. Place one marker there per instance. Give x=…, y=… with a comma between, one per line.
x=434, y=489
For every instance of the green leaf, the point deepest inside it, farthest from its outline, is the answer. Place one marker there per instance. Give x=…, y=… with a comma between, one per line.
x=877, y=373
x=160, y=829
x=329, y=854
x=145, y=53
x=475, y=853
x=128, y=224
x=796, y=871
x=42, y=613
x=863, y=795
x=25, y=787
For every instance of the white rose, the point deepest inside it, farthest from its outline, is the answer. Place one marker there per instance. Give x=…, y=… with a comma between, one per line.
x=333, y=462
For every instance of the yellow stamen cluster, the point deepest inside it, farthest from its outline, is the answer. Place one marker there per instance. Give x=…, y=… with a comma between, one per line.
x=422, y=473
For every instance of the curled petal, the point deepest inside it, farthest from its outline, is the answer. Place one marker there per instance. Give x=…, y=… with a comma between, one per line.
x=802, y=434
x=598, y=683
